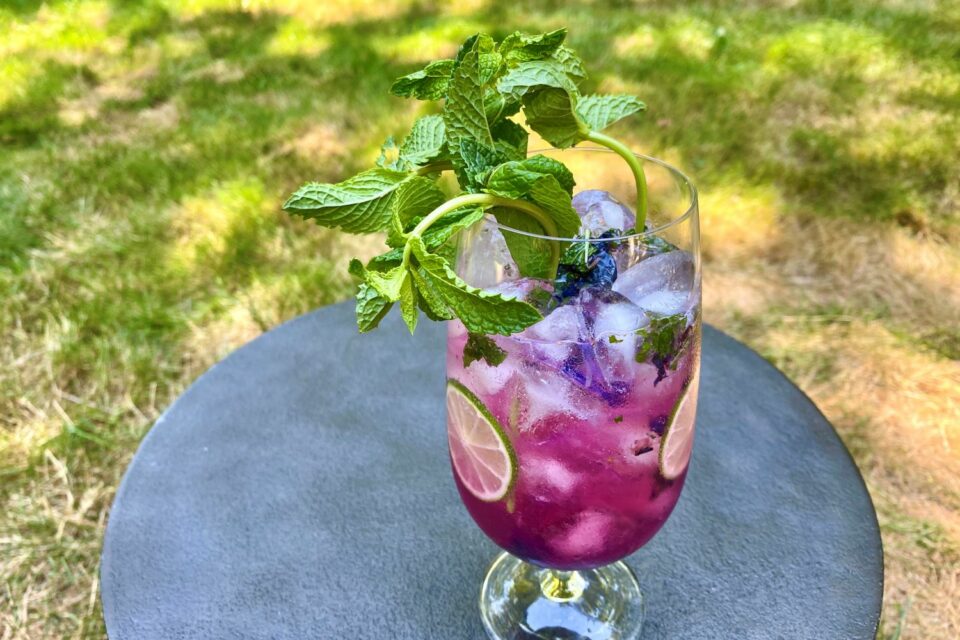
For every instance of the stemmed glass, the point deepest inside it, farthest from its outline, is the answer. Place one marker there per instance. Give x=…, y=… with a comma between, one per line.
x=570, y=441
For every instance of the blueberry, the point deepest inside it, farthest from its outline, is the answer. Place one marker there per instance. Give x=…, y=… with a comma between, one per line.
x=599, y=271
x=658, y=424
x=604, y=269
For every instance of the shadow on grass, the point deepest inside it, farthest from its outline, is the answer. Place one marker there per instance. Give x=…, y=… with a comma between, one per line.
x=236, y=103
x=128, y=296
x=805, y=98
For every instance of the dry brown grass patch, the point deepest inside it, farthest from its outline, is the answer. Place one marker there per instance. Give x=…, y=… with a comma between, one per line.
x=842, y=307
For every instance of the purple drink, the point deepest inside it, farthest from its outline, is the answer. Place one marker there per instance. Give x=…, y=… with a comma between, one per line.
x=586, y=399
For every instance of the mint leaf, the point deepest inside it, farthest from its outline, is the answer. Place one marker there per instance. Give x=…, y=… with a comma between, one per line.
x=659, y=337
x=414, y=199
x=482, y=87
x=521, y=47
x=570, y=62
x=551, y=112
x=654, y=244
x=388, y=283
x=429, y=299
x=481, y=347
x=535, y=75
x=463, y=113
x=548, y=193
x=430, y=83
x=356, y=269
x=512, y=179
x=577, y=255
x=519, y=179
x=480, y=311
x=408, y=303
x=444, y=228
x=360, y=204
x=532, y=255
x=496, y=106
x=542, y=164
x=389, y=157
x=473, y=164
x=478, y=42
x=510, y=139
x=489, y=65
x=599, y=112
x=371, y=308
x=383, y=262
x=662, y=341
x=425, y=141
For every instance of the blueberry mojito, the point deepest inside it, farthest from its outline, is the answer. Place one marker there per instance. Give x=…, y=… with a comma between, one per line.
x=573, y=316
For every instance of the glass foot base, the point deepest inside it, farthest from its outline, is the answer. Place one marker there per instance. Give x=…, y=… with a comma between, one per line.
x=521, y=601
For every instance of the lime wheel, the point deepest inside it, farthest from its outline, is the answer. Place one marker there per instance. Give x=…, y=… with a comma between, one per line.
x=677, y=443
x=482, y=456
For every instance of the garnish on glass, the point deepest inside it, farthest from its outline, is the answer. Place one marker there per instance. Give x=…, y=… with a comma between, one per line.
x=476, y=137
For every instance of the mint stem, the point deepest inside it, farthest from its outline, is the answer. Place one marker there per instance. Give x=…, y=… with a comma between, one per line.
x=434, y=167
x=489, y=200
x=635, y=166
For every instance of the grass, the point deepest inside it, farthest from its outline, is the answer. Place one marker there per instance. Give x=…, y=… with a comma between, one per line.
x=146, y=147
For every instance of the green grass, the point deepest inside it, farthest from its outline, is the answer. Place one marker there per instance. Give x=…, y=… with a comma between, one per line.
x=145, y=148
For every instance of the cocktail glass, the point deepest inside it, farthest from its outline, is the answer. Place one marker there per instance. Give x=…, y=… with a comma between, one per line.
x=571, y=453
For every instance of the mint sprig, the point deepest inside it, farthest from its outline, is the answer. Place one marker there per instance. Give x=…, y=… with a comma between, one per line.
x=473, y=135
x=662, y=342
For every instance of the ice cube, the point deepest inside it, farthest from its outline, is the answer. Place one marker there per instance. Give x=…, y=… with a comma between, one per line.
x=615, y=327
x=488, y=263
x=672, y=271
x=617, y=317
x=666, y=303
x=549, y=478
x=586, y=536
x=531, y=290
x=561, y=324
x=600, y=211
x=486, y=380
x=591, y=299
x=547, y=394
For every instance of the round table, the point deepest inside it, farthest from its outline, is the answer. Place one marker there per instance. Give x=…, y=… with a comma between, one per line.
x=301, y=489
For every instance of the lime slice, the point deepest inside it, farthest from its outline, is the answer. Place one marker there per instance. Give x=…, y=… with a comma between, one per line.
x=677, y=442
x=481, y=453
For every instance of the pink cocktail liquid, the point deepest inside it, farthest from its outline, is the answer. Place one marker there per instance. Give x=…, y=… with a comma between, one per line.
x=586, y=425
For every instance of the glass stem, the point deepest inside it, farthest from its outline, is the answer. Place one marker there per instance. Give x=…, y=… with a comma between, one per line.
x=562, y=586
x=635, y=166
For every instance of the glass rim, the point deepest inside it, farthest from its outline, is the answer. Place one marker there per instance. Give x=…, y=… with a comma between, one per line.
x=691, y=208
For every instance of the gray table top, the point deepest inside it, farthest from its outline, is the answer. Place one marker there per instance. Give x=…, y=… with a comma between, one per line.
x=301, y=489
